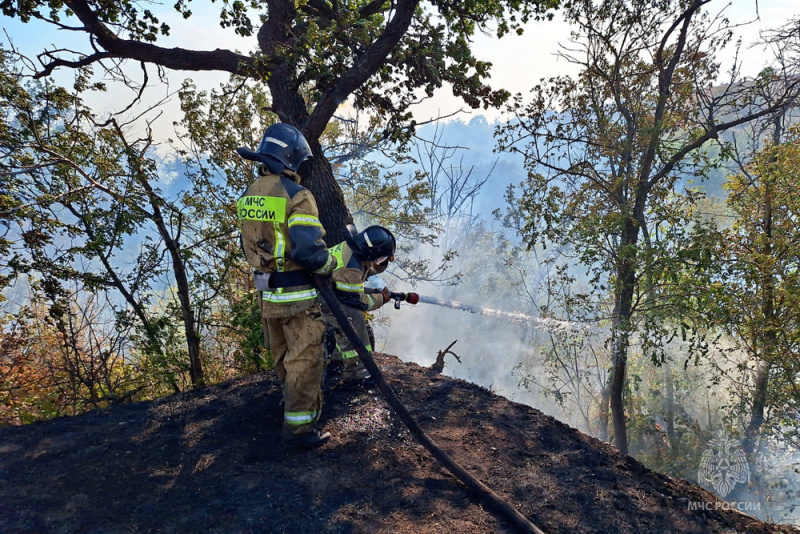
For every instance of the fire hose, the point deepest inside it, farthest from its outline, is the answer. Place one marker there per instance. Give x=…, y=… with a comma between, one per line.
x=492, y=499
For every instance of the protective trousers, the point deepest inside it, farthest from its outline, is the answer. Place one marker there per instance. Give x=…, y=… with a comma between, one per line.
x=296, y=345
x=351, y=363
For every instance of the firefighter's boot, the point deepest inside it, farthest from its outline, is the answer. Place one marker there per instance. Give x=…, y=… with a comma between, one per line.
x=354, y=371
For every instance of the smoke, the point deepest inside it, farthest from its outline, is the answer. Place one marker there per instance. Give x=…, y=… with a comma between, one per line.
x=488, y=347
x=490, y=343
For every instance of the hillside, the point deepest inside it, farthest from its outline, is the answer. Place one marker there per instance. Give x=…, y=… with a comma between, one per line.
x=212, y=461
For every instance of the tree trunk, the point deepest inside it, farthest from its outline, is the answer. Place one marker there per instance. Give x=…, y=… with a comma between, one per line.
x=750, y=443
x=623, y=311
x=196, y=373
x=602, y=431
x=620, y=356
x=669, y=400
x=316, y=175
x=189, y=323
x=333, y=212
x=761, y=385
x=765, y=337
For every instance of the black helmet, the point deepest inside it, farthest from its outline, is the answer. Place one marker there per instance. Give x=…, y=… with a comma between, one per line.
x=375, y=244
x=282, y=142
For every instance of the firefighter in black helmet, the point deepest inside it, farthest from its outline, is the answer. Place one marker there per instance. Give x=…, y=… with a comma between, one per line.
x=375, y=245
x=362, y=255
x=282, y=240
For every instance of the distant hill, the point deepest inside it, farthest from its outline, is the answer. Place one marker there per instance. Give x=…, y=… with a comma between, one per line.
x=477, y=137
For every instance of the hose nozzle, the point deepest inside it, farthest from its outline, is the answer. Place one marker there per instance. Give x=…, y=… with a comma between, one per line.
x=411, y=298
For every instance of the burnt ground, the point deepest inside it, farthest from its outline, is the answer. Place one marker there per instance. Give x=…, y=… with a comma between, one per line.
x=212, y=461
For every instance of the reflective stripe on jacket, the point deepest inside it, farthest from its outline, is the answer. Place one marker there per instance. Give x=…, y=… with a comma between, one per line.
x=348, y=280
x=281, y=232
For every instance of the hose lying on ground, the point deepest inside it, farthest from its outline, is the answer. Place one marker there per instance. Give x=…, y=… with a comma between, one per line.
x=492, y=499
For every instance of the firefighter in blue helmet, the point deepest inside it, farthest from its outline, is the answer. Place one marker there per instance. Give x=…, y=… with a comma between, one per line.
x=282, y=240
x=364, y=254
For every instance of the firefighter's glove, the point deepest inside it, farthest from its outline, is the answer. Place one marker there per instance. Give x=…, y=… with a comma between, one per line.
x=328, y=268
x=385, y=294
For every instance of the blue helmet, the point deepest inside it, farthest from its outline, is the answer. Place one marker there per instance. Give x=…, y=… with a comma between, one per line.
x=282, y=142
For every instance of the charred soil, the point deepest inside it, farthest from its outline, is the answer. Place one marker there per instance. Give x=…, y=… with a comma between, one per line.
x=212, y=461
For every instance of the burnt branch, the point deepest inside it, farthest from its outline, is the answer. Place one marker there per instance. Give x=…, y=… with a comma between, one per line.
x=438, y=365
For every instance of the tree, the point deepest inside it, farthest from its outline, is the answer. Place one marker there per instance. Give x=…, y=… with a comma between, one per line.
x=608, y=151
x=747, y=293
x=61, y=365
x=452, y=188
x=754, y=295
x=313, y=55
x=78, y=194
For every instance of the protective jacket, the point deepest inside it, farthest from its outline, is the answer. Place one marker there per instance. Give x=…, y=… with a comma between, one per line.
x=348, y=280
x=282, y=238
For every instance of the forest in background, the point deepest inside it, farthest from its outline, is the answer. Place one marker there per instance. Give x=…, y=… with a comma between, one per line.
x=123, y=278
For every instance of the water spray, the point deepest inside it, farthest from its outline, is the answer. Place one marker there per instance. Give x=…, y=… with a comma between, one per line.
x=517, y=317
x=480, y=310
